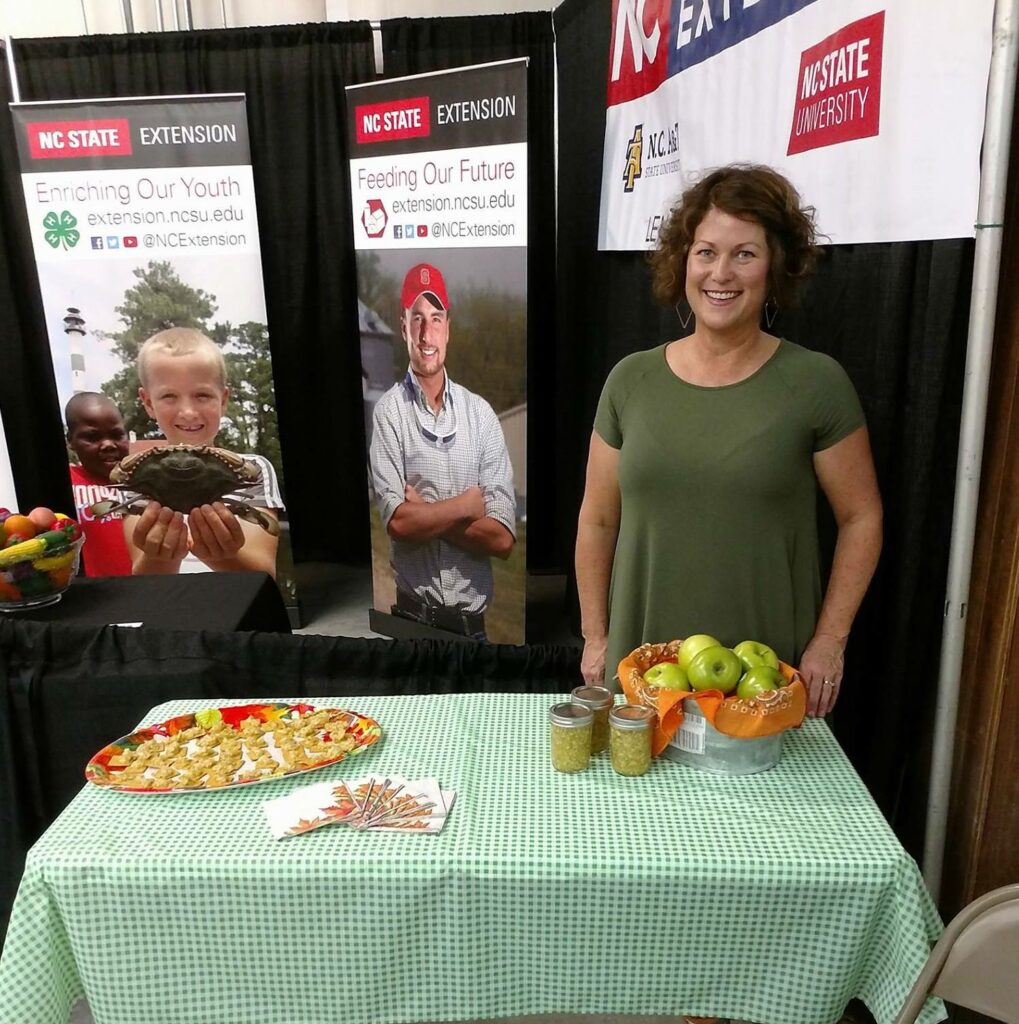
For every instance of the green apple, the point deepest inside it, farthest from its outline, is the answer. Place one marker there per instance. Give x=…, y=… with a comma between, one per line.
x=668, y=675
x=752, y=654
x=694, y=645
x=715, y=668
x=757, y=680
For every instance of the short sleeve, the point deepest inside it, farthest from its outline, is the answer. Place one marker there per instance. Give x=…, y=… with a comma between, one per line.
x=608, y=419
x=838, y=411
x=266, y=493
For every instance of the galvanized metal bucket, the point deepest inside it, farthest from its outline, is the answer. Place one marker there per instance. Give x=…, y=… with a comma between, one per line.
x=699, y=744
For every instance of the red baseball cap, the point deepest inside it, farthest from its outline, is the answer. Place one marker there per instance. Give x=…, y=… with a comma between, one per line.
x=424, y=279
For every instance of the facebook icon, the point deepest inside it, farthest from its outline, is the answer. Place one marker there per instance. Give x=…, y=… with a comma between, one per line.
x=97, y=242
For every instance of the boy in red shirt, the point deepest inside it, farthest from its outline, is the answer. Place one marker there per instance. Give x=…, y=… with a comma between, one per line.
x=96, y=434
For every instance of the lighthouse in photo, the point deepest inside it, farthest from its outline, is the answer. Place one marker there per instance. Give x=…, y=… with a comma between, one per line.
x=74, y=328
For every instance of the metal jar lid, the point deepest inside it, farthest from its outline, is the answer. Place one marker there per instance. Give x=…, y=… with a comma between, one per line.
x=631, y=716
x=593, y=697
x=570, y=716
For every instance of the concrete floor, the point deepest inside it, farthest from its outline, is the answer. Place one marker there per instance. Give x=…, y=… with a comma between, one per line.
x=335, y=600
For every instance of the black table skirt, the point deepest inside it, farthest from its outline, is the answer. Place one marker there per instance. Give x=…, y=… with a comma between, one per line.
x=206, y=600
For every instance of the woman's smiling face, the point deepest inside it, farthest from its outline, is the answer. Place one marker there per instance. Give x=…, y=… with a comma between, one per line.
x=727, y=272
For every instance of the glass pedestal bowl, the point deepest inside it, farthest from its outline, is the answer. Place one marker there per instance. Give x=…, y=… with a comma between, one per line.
x=40, y=579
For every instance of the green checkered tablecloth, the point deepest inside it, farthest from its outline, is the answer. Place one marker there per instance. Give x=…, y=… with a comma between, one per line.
x=773, y=897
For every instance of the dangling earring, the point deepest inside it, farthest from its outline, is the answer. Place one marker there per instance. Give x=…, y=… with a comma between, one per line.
x=770, y=312
x=684, y=320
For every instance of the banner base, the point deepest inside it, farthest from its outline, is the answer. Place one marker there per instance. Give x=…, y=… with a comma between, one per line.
x=407, y=629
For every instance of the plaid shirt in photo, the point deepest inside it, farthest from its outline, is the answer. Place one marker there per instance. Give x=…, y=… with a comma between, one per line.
x=465, y=449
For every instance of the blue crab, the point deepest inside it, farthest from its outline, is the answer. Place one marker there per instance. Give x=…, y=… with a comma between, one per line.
x=184, y=476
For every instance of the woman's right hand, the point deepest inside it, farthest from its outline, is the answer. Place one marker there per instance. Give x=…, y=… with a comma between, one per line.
x=592, y=661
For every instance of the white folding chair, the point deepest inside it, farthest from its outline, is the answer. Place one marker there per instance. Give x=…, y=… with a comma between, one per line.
x=975, y=963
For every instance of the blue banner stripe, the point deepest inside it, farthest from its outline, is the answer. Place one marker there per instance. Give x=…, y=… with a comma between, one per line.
x=691, y=40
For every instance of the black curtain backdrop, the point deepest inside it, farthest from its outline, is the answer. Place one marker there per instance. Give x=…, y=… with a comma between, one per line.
x=28, y=393
x=414, y=46
x=895, y=316
x=293, y=78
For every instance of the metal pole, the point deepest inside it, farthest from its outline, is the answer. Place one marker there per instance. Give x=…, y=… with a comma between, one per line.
x=176, y=17
x=125, y=6
x=189, y=20
x=84, y=17
x=159, y=15
x=222, y=11
x=376, y=27
x=12, y=71
x=987, y=257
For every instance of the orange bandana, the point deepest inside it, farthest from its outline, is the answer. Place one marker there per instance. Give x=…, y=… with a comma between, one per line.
x=766, y=715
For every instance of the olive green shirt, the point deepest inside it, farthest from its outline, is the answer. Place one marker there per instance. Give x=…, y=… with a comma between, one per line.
x=718, y=528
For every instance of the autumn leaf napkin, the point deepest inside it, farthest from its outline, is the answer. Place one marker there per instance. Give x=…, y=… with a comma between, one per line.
x=389, y=804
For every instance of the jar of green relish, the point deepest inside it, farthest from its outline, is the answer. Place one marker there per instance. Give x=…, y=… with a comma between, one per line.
x=630, y=734
x=598, y=700
x=570, y=736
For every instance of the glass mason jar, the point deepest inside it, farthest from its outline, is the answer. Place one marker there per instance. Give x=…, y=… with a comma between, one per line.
x=598, y=700
x=630, y=733
x=570, y=736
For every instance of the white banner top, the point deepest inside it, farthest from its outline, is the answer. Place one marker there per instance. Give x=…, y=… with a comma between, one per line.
x=874, y=113
x=438, y=163
x=148, y=178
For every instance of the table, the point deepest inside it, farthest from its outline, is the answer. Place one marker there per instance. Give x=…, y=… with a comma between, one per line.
x=775, y=897
x=66, y=689
x=205, y=600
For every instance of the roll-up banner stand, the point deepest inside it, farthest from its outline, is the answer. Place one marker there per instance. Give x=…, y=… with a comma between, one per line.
x=439, y=186
x=143, y=222
x=875, y=111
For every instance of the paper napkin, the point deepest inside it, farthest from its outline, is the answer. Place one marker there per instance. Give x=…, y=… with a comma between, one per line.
x=374, y=802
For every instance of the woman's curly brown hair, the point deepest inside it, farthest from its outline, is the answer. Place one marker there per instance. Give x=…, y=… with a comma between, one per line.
x=752, y=192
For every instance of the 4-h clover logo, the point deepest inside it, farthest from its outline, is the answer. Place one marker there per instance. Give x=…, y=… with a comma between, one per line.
x=61, y=229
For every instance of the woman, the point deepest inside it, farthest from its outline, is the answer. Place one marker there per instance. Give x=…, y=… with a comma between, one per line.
x=699, y=511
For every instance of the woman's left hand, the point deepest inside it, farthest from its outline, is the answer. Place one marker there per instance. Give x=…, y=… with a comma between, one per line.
x=821, y=668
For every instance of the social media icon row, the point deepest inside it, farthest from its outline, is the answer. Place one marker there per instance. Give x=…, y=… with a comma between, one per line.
x=114, y=241
x=410, y=231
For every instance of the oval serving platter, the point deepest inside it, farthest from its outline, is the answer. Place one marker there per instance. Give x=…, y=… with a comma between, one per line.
x=222, y=748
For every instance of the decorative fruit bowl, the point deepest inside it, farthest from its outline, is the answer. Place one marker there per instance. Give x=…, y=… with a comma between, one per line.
x=766, y=714
x=36, y=572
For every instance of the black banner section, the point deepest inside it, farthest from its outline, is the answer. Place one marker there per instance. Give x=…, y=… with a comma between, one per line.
x=107, y=135
x=390, y=118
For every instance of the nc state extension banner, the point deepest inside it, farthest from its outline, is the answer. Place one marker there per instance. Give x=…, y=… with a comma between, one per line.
x=874, y=110
x=439, y=187
x=143, y=217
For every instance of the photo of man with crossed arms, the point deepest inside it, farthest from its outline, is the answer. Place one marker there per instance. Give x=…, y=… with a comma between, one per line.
x=441, y=474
